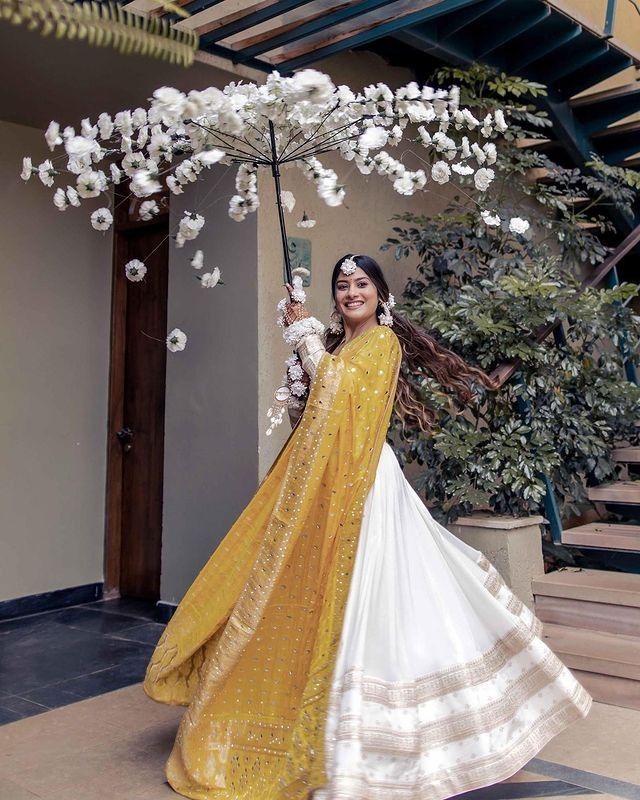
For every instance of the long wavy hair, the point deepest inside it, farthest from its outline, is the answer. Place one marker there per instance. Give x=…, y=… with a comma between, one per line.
x=421, y=354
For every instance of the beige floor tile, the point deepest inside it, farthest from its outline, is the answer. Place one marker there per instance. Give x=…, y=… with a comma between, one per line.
x=10, y=790
x=606, y=741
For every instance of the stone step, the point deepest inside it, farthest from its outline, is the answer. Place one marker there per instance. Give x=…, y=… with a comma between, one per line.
x=614, y=536
x=604, y=617
x=616, y=492
x=595, y=651
x=626, y=455
x=590, y=585
x=610, y=689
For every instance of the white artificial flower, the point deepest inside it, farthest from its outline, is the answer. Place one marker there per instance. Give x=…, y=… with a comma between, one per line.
x=139, y=118
x=144, y=182
x=288, y=200
x=169, y=103
x=209, y=157
x=148, y=210
x=298, y=388
x=197, y=262
x=52, y=135
x=74, y=197
x=90, y=183
x=487, y=126
x=373, y=138
x=237, y=208
x=189, y=227
x=479, y=153
x=462, y=169
x=306, y=222
x=123, y=123
x=301, y=272
x=425, y=136
x=135, y=269
x=501, y=123
x=210, y=279
x=133, y=162
x=440, y=172
x=309, y=85
x=176, y=340
x=491, y=220
x=116, y=173
x=518, y=225
x=295, y=372
x=46, y=172
x=60, y=200
x=483, y=178
x=101, y=219
x=80, y=147
x=491, y=152
x=404, y=184
x=173, y=185
x=87, y=129
x=27, y=168
x=105, y=126
x=330, y=192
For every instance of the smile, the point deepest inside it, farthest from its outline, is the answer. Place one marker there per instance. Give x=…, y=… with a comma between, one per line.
x=354, y=305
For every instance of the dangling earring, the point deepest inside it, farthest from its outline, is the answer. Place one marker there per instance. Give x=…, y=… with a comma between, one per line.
x=336, y=325
x=386, y=317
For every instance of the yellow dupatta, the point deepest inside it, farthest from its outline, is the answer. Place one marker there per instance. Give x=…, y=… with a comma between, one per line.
x=252, y=645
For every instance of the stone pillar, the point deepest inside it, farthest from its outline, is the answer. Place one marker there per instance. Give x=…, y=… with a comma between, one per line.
x=512, y=544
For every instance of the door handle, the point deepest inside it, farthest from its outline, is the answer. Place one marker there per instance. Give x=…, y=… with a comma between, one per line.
x=125, y=437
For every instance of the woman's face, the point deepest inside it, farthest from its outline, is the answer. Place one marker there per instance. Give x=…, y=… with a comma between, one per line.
x=356, y=296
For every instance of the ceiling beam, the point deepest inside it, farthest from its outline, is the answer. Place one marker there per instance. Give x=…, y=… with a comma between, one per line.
x=370, y=31
x=218, y=29
x=511, y=28
x=302, y=28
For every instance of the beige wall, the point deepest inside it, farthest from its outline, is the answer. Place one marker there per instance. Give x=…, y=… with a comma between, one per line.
x=626, y=29
x=211, y=442
x=359, y=226
x=54, y=312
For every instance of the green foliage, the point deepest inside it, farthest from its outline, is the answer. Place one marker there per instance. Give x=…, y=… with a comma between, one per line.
x=486, y=293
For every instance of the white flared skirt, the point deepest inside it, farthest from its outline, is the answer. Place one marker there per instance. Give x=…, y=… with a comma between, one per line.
x=441, y=683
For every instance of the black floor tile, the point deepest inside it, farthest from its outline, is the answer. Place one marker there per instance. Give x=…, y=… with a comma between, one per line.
x=56, y=653
x=107, y=680
x=8, y=716
x=51, y=696
x=146, y=634
x=21, y=706
x=58, y=657
x=94, y=619
x=140, y=609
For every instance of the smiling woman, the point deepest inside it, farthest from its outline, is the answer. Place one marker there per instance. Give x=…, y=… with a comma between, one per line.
x=340, y=643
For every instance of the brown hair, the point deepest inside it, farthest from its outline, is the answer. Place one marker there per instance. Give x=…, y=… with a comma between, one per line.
x=421, y=353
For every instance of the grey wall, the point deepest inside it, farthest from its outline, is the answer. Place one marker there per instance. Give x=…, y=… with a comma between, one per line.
x=54, y=328
x=211, y=436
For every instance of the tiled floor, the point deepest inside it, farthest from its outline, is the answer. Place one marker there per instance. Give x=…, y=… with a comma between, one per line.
x=113, y=747
x=49, y=660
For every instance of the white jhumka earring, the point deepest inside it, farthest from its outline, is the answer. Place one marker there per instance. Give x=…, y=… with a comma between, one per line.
x=335, y=322
x=386, y=317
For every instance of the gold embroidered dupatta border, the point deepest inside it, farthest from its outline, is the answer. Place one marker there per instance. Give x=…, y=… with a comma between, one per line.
x=306, y=515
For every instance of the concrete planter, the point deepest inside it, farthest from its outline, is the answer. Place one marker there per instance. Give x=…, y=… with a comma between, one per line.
x=512, y=544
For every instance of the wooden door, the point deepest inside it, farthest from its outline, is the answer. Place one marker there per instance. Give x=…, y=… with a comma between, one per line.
x=133, y=539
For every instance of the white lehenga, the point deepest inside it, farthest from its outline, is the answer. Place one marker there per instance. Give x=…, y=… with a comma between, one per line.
x=441, y=682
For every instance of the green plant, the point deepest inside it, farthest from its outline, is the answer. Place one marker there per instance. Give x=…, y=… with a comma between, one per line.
x=486, y=293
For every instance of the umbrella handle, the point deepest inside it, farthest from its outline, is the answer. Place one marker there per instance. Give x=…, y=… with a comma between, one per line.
x=275, y=171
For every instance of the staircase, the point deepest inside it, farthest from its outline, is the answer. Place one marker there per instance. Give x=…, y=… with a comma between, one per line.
x=591, y=620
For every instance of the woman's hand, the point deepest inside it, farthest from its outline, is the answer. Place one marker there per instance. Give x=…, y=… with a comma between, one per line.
x=293, y=310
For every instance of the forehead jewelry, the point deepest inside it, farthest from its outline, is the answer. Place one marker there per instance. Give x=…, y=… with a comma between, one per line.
x=348, y=265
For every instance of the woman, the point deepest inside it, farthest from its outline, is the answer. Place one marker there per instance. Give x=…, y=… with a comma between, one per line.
x=340, y=644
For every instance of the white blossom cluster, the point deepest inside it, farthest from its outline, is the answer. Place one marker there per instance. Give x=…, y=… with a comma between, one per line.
x=181, y=134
